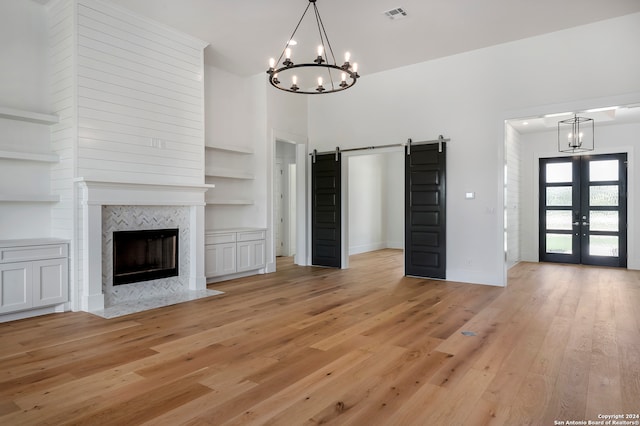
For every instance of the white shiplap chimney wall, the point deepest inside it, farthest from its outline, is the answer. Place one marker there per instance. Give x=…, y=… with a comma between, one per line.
x=130, y=96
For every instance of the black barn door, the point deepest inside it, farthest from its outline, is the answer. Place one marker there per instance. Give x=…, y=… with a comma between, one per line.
x=326, y=210
x=425, y=225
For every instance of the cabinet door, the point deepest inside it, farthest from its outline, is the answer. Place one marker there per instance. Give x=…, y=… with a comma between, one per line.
x=50, y=282
x=15, y=286
x=259, y=253
x=251, y=255
x=220, y=259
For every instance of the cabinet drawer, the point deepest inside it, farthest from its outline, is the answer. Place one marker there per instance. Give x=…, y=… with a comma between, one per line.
x=251, y=235
x=49, y=251
x=220, y=238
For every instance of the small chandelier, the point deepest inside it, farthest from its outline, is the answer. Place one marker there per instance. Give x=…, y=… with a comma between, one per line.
x=576, y=134
x=329, y=76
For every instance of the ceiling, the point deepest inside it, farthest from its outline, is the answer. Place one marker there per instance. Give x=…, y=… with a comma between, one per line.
x=244, y=34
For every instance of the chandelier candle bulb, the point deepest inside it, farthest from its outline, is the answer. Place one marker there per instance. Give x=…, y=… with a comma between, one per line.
x=272, y=63
x=347, y=56
x=287, y=61
x=319, y=60
x=343, y=83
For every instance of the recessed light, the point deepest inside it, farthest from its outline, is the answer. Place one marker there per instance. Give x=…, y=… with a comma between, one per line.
x=557, y=114
x=525, y=123
x=602, y=109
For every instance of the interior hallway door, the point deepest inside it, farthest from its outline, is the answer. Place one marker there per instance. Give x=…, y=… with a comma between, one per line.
x=583, y=210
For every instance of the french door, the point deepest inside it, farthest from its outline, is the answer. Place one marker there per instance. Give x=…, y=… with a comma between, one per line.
x=583, y=210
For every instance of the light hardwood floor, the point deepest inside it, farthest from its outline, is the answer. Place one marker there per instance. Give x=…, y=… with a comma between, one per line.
x=364, y=346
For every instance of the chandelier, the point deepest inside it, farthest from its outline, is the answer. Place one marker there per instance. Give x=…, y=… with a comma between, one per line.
x=576, y=134
x=322, y=75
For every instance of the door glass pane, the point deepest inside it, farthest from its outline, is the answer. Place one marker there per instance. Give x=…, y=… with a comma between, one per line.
x=559, y=195
x=559, y=219
x=559, y=243
x=603, y=195
x=603, y=245
x=603, y=221
x=603, y=170
x=559, y=172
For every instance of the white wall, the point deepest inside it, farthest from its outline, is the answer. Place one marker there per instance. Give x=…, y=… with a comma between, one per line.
x=23, y=85
x=512, y=194
x=227, y=102
x=394, y=205
x=23, y=54
x=367, y=212
x=609, y=139
x=466, y=98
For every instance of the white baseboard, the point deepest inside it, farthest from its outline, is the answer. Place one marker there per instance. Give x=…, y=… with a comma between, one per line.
x=363, y=248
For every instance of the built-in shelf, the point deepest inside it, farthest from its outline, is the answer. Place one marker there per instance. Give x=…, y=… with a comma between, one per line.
x=21, y=198
x=30, y=156
x=229, y=201
x=32, y=117
x=229, y=173
x=231, y=148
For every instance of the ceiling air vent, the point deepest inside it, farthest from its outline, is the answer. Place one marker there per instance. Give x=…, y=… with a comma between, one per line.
x=397, y=13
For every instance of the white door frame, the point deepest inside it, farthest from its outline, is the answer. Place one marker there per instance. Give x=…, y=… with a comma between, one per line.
x=301, y=256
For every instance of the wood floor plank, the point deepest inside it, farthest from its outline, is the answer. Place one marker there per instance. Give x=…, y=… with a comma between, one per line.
x=345, y=391
x=361, y=346
x=274, y=404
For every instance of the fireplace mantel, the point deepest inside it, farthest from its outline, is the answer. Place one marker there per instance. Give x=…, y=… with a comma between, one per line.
x=150, y=194
x=94, y=194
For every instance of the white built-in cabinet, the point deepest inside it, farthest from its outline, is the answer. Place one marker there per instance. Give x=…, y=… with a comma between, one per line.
x=33, y=274
x=234, y=251
x=40, y=160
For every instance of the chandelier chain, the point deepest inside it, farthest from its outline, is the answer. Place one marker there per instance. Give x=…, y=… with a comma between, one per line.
x=321, y=30
x=294, y=31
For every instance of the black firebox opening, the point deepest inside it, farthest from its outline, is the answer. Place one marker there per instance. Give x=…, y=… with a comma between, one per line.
x=144, y=255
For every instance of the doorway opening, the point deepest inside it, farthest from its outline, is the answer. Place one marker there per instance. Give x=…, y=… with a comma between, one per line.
x=532, y=137
x=285, y=199
x=375, y=202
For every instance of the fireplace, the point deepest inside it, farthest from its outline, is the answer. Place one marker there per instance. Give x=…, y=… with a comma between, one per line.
x=144, y=255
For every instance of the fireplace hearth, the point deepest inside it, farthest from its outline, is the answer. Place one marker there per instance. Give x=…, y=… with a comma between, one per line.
x=144, y=255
